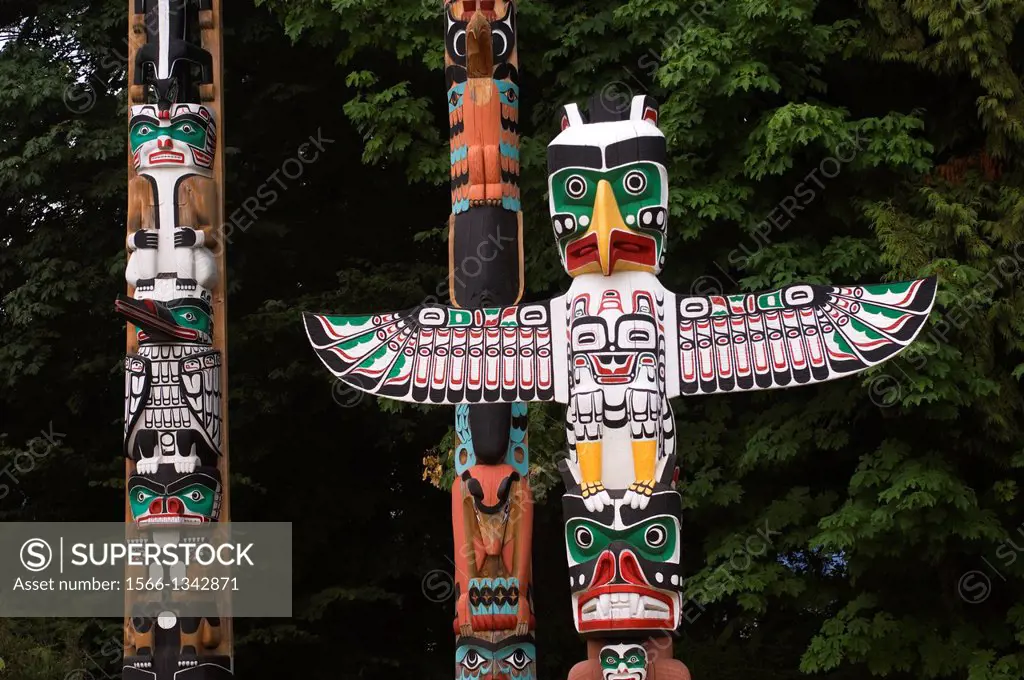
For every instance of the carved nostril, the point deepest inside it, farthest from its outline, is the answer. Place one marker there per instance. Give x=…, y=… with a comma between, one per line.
x=604, y=571
x=629, y=568
x=175, y=506
x=156, y=507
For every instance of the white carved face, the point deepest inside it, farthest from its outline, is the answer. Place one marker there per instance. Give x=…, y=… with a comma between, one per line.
x=614, y=340
x=623, y=662
x=185, y=138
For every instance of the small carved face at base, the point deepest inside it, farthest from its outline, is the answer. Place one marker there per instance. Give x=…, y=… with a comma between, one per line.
x=623, y=662
x=184, y=137
x=513, y=658
x=167, y=497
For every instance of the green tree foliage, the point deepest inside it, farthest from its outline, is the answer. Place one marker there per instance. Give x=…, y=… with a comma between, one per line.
x=864, y=526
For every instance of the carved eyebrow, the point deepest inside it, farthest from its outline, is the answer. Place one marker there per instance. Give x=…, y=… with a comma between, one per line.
x=189, y=117
x=191, y=480
x=561, y=156
x=636, y=149
x=148, y=485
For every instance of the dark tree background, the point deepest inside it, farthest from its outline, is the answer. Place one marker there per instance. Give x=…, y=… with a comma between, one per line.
x=859, y=527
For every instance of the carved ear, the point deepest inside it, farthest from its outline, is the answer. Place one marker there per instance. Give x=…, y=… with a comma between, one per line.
x=571, y=116
x=644, y=108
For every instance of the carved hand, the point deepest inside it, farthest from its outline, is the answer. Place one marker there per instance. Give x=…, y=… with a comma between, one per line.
x=144, y=238
x=523, y=619
x=462, y=615
x=187, y=237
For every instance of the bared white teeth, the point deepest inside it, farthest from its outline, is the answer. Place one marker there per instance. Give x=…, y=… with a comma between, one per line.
x=611, y=606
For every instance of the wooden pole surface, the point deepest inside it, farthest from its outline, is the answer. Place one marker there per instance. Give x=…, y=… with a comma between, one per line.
x=219, y=644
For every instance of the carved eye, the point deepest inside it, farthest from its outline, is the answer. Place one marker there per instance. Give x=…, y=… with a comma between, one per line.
x=472, y=660
x=141, y=496
x=635, y=182
x=145, y=130
x=503, y=38
x=576, y=187
x=639, y=336
x=187, y=129
x=518, y=660
x=656, y=536
x=584, y=537
x=459, y=43
x=196, y=496
x=189, y=316
x=500, y=43
x=589, y=335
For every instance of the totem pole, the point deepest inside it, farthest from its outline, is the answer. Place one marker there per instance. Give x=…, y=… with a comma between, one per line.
x=615, y=349
x=175, y=379
x=492, y=507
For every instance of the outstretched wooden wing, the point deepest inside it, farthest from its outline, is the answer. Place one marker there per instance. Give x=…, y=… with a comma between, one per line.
x=445, y=355
x=797, y=335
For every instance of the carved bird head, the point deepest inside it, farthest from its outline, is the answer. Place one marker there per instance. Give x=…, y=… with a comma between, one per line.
x=608, y=187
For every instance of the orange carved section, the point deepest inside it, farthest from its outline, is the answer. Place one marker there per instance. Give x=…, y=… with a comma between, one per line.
x=492, y=545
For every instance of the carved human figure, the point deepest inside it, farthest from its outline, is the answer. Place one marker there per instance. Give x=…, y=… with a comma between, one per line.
x=171, y=201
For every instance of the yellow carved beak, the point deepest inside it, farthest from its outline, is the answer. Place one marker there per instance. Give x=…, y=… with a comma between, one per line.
x=606, y=218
